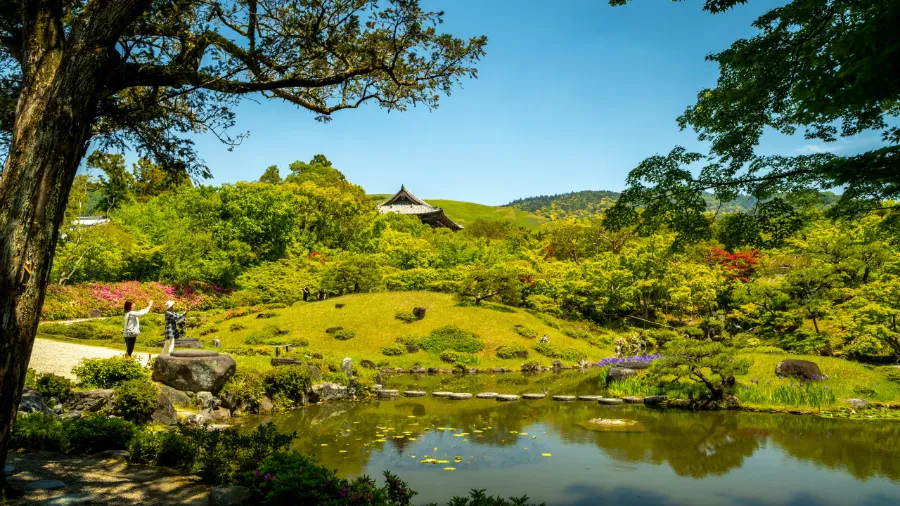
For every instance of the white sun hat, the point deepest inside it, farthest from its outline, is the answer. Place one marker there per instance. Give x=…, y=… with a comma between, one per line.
x=169, y=304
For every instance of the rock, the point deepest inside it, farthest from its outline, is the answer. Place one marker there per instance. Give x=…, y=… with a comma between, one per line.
x=411, y=348
x=827, y=350
x=327, y=392
x=347, y=366
x=415, y=393
x=176, y=397
x=71, y=415
x=216, y=415
x=216, y=343
x=858, y=404
x=229, y=495
x=314, y=372
x=533, y=396
x=472, y=370
x=486, y=395
x=95, y=313
x=441, y=394
x=185, y=342
x=531, y=367
x=89, y=400
x=194, y=370
x=43, y=485
x=317, y=356
x=564, y=398
x=419, y=312
x=367, y=364
x=507, y=398
x=590, y=398
x=207, y=401
x=610, y=401
x=339, y=306
x=194, y=419
x=164, y=414
x=803, y=369
x=57, y=407
x=418, y=370
x=654, y=400
x=731, y=402
x=332, y=330
x=557, y=366
x=70, y=500
x=633, y=400
x=387, y=393
x=266, y=405
x=8, y=469
x=619, y=374
x=634, y=365
x=545, y=339
x=460, y=396
x=584, y=364
x=433, y=370
x=613, y=422
x=279, y=361
x=33, y=402
x=497, y=370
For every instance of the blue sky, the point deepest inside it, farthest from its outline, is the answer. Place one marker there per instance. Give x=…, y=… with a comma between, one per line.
x=571, y=96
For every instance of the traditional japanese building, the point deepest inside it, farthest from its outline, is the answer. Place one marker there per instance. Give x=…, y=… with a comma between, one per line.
x=404, y=202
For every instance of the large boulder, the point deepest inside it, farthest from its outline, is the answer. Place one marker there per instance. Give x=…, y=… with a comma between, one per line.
x=89, y=400
x=419, y=312
x=314, y=372
x=194, y=370
x=803, y=369
x=619, y=374
x=176, y=397
x=347, y=366
x=33, y=402
x=164, y=414
x=327, y=392
x=367, y=364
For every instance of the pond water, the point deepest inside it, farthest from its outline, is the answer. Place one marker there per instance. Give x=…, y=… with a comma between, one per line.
x=546, y=450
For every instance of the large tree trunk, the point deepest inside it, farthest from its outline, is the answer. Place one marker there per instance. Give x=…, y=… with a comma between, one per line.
x=54, y=115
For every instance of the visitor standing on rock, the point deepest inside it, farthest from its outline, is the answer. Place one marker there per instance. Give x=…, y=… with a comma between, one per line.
x=172, y=321
x=132, y=325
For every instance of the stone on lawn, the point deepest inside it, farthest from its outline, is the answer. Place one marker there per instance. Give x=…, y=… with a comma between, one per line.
x=347, y=366
x=367, y=364
x=194, y=370
x=803, y=369
x=278, y=361
x=419, y=312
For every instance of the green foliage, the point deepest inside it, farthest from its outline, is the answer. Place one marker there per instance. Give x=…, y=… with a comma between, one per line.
x=344, y=334
x=287, y=385
x=514, y=350
x=80, y=330
x=37, y=431
x=271, y=175
x=135, y=399
x=226, y=455
x=709, y=363
x=244, y=388
x=31, y=379
x=394, y=350
x=163, y=448
x=273, y=335
x=452, y=338
x=449, y=356
x=91, y=434
x=484, y=284
x=525, y=331
x=53, y=386
x=109, y=372
x=551, y=350
x=405, y=316
x=356, y=274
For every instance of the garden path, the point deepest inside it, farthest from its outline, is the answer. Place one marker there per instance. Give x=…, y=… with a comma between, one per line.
x=59, y=357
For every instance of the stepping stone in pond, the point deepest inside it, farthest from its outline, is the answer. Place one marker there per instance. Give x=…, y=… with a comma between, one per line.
x=533, y=396
x=441, y=394
x=610, y=401
x=414, y=393
x=460, y=396
x=43, y=485
x=591, y=398
x=486, y=395
x=633, y=400
x=70, y=500
x=507, y=398
x=8, y=469
x=387, y=393
x=564, y=398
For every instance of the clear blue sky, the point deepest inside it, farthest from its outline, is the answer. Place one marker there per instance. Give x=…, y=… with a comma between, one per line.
x=571, y=96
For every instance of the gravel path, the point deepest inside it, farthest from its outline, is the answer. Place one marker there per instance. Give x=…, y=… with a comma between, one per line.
x=59, y=358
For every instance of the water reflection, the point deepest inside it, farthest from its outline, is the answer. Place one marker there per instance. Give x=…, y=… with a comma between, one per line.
x=504, y=443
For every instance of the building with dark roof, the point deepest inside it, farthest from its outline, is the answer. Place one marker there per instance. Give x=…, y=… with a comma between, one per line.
x=404, y=202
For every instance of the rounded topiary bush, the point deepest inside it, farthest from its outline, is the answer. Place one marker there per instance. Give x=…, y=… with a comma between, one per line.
x=135, y=399
x=345, y=334
x=514, y=350
x=405, y=316
x=453, y=338
x=53, y=386
x=287, y=385
x=108, y=372
x=449, y=356
x=524, y=331
x=393, y=350
x=553, y=351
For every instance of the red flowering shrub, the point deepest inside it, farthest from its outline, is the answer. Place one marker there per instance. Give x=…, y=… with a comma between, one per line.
x=76, y=301
x=738, y=265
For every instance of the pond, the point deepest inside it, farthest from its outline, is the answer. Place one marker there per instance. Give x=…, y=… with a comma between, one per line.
x=548, y=451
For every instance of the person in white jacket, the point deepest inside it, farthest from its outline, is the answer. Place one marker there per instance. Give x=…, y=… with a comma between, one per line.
x=132, y=325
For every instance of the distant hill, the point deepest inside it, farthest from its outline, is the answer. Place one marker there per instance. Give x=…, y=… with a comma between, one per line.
x=466, y=213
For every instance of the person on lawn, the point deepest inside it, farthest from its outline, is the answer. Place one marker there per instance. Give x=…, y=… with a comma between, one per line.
x=172, y=331
x=132, y=325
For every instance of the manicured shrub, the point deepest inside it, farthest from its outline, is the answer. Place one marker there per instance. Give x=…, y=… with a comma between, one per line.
x=524, y=331
x=576, y=333
x=163, y=448
x=108, y=372
x=273, y=335
x=765, y=349
x=344, y=334
x=692, y=332
x=662, y=336
x=264, y=315
x=53, y=386
x=449, y=356
x=235, y=327
x=250, y=351
x=891, y=374
x=244, y=388
x=514, y=350
x=411, y=348
x=135, y=399
x=551, y=350
x=38, y=431
x=453, y=338
x=207, y=330
x=405, y=316
x=287, y=385
x=394, y=349
x=226, y=455
x=336, y=377
x=276, y=305
x=98, y=433
x=80, y=330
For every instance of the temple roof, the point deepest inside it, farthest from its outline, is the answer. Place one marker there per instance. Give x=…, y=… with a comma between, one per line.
x=405, y=202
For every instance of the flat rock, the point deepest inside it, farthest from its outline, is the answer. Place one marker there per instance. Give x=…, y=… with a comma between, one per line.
x=328, y=392
x=610, y=401
x=564, y=398
x=591, y=398
x=33, y=402
x=654, y=400
x=88, y=400
x=229, y=495
x=507, y=397
x=278, y=361
x=858, y=404
x=194, y=370
x=633, y=400
x=533, y=396
x=8, y=469
x=193, y=353
x=70, y=500
x=486, y=395
x=460, y=396
x=387, y=393
x=415, y=393
x=43, y=485
x=441, y=394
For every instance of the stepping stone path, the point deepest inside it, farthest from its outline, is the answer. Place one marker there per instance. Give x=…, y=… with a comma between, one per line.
x=460, y=396
x=633, y=400
x=70, y=500
x=507, y=398
x=655, y=400
x=387, y=393
x=533, y=396
x=564, y=398
x=610, y=401
x=592, y=398
x=441, y=394
x=414, y=393
x=486, y=395
x=43, y=485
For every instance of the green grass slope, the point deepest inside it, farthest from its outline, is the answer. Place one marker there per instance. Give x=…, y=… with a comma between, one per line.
x=466, y=213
